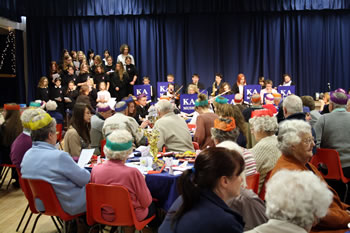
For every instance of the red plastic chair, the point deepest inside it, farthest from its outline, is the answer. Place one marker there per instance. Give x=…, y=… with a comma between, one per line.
x=5, y=169
x=330, y=158
x=44, y=191
x=103, y=143
x=115, y=197
x=31, y=204
x=195, y=145
x=263, y=188
x=253, y=182
x=59, y=132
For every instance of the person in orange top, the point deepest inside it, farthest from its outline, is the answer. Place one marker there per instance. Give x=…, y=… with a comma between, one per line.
x=296, y=142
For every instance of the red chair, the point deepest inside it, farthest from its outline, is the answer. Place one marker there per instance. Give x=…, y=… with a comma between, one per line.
x=263, y=188
x=195, y=145
x=253, y=182
x=103, y=143
x=59, y=132
x=31, y=204
x=115, y=197
x=5, y=169
x=330, y=158
x=44, y=191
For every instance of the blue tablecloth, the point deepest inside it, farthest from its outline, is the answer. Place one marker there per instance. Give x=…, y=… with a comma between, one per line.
x=163, y=187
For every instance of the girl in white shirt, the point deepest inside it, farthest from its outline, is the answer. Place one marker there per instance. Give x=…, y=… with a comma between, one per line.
x=103, y=96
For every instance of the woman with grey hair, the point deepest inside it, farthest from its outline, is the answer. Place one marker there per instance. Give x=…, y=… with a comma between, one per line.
x=114, y=171
x=296, y=142
x=296, y=211
x=264, y=126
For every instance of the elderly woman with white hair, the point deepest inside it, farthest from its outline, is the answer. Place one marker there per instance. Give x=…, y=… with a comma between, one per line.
x=173, y=130
x=296, y=142
x=51, y=107
x=114, y=171
x=264, y=126
x=294, y=209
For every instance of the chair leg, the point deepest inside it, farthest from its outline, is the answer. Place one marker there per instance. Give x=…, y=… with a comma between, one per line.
x=4, y=176
x=346, y=192
x=24, y=214
x=58, y=229
x=28, y=220
x=35, y=222
x=59, y=221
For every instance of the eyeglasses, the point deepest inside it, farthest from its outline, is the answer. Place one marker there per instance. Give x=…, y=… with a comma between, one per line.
x=309, y=141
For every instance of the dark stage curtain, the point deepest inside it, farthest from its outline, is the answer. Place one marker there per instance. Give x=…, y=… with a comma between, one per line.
x=152, y=7
x=311, y=46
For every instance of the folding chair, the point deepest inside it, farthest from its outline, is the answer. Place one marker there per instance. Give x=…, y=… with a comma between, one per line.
x=116, y=197
x=253, y=182
x=330, y=158
x=5, y=169
x=44, y=191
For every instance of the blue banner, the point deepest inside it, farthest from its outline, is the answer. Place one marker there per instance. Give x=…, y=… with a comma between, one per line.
x=187, y=102
x=231, y=98
x=162, y=87
x=286, y=90
x=143, y=89
x=249, y=90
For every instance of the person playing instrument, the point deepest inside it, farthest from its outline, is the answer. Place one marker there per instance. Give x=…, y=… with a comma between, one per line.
x=217, y=84
x=195, y=81
x=171, y=79
x=225, y=89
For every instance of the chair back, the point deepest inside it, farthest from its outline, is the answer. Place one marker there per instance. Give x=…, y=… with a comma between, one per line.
x=330, y=158
x=116, y=197
x=27, y=192
x=195, y=145
x=103, y=143
x=253, y=182
x=263, y=188
x=45, y=192
x=59, y=132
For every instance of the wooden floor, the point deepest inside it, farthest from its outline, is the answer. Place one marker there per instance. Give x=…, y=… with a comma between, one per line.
x=12, y=206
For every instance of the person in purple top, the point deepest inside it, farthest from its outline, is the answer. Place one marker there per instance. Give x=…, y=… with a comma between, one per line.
x=23, y=142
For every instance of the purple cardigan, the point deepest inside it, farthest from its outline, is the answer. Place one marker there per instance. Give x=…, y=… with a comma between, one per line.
x=19, y=147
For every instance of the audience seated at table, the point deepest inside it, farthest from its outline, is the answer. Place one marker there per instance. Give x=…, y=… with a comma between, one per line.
x=114, y=172
x=23, y=142
x=204, y=123
x=225, y=134
x=173, y=131
x=78, y=134
x=9, y=131
x=51, y=107
x=296, y=142
x=308, y=101
x=296, y=207
x=214, y=179
x=44, y=162
x=256, y=104
x=120, y=120
x=97, y=121
x=266, y=153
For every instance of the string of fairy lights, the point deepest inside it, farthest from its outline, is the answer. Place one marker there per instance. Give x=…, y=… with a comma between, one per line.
x=10, y=45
